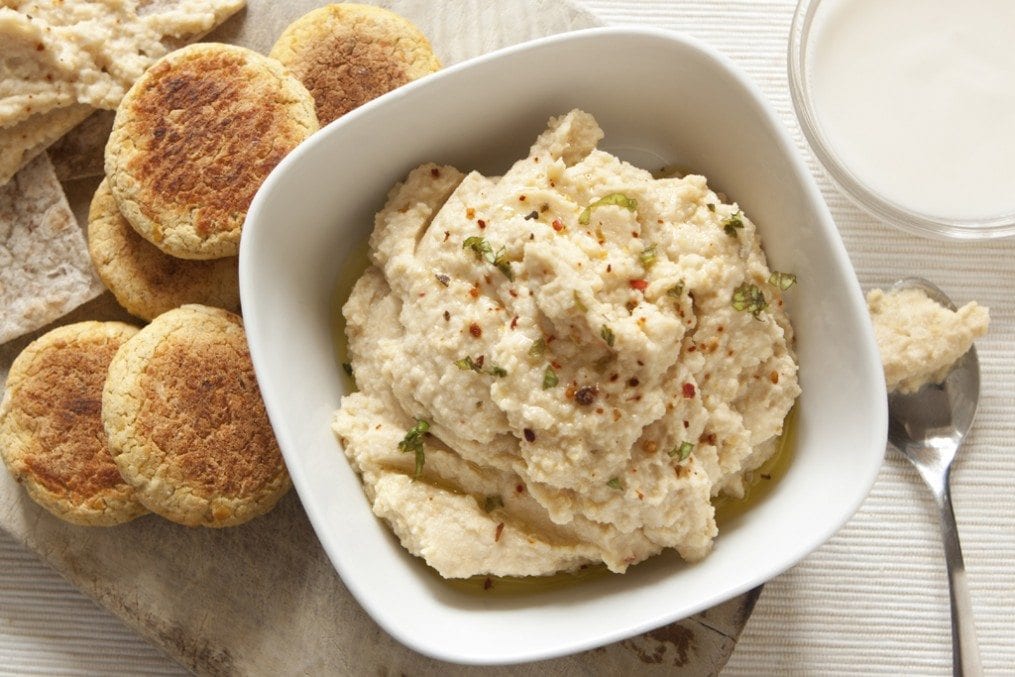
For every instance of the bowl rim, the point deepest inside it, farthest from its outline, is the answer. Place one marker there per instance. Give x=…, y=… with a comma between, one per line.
x=248, y=273
x=862, y=194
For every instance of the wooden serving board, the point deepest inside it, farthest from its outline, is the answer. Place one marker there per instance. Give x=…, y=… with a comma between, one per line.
x=263, y=598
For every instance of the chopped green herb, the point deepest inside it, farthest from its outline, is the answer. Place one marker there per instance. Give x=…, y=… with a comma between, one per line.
x=648, y=256
x=492, y=503
x=466, y=363
x=676, y=291
x=578, y=302
x=682, y=452
x=480, y=247
x=503, y=264
x=748, y=297
x=413, y=441
x=549, y=378
x=607, y=334
x=782, y=281
x=615, y=483
x=484, y=252
x=538, y=348
x=731, y=224
x=617, y=199
x=710, y=206
x=499, y=372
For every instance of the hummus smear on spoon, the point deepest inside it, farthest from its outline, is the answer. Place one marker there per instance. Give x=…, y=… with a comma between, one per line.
x=564, y=365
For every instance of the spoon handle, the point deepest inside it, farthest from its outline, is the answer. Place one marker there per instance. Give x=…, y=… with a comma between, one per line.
x=965, y=650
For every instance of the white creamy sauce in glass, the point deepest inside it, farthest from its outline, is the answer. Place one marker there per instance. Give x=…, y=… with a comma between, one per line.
x=917, y=97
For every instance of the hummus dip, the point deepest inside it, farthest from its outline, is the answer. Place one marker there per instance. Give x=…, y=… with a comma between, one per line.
x=918, y=338
x=564, y=365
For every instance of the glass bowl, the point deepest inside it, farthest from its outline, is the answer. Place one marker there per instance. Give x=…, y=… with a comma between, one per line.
x=801, y=42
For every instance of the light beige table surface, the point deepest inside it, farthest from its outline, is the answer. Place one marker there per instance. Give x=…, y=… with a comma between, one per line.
x=872, y=600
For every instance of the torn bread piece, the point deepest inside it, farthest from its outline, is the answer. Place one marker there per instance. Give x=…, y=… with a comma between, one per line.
x=45, y=270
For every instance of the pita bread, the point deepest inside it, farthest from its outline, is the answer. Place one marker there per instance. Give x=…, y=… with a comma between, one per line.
x=45, y=270
x=79, y=153
x=21, y=143
x=59, y=53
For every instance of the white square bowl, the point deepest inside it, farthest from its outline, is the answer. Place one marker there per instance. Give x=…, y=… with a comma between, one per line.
x=661, y=98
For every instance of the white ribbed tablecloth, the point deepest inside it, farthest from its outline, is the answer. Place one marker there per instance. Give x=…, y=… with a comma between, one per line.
x=874, y=599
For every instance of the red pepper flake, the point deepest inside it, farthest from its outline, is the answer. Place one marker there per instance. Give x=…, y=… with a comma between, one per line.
x=557, y=225
x=609, y=267
x=688, y=390
x=500, y=530
x=474, y=292
x=470, y=213
x=530, y=435
x=475, y=330
x=633, y=382
x=719, y=329
x=614, y=377
x=513, y=293
x=569, y=392
x=514, y=321
x=519, y=488
x=691, y=349
x=481, y=223
x=687, y=424
x=707, y=438
x=487, y=583
x=774, y=377
x=640, y=285
x=521, y=198
x=480, y=360
x=434, y=172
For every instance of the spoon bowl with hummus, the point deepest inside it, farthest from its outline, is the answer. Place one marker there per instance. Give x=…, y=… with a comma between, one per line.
x=561, y=361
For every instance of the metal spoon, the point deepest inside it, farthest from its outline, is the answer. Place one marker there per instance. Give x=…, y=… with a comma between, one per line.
x=928, y=427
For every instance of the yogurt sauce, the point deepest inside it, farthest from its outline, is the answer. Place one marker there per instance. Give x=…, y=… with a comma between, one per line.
x=917, y=97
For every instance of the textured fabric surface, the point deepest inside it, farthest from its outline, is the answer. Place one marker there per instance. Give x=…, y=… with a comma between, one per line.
x=873, y=599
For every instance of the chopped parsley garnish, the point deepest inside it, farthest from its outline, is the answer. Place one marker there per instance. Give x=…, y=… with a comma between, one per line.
x=550, y=378
x=466, y=363
x=578, y=302
x=682, y=452
x=747, y=297
x=413, y=441
x=503, y=264
x=484, y=252
x=617, y=199
x=781, y=281
x=676, y=291
x=731, y=224
x=492, y=503
x=710, y=206
x=607, y=335
x=648, y=256
x=615, y=483
x=538, y=348
x=480, y=247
